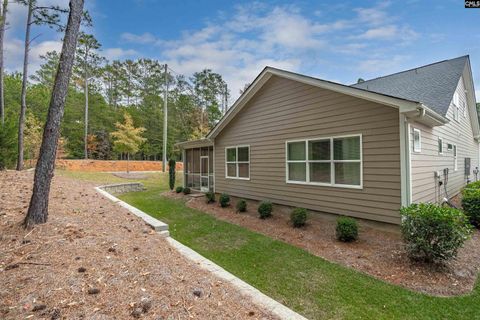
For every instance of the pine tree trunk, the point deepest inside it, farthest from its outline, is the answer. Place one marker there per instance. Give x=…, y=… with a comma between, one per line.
x=23, y=102
x=86, y=106
x=2, y=37
x=38, y=209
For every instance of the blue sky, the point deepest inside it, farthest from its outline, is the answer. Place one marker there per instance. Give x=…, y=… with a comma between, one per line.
x=334, y=40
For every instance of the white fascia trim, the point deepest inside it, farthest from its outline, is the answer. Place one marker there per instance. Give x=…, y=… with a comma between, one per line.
x=268, y=72
x=471, y=100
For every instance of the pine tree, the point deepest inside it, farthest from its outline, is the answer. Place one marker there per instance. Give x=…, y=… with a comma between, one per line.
x=127, y=138
x=38, y=208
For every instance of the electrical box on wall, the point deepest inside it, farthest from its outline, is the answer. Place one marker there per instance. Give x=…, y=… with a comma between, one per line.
x=467, y=166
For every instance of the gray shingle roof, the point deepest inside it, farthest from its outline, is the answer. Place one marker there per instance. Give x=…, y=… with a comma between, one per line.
x=432, y=85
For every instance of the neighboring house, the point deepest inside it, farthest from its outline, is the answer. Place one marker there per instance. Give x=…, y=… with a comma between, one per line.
x=363, y=150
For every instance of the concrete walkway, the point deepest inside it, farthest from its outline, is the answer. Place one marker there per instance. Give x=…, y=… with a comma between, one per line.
x=256, y=295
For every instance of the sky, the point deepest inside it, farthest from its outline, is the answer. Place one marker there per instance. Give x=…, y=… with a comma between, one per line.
x=334, y=40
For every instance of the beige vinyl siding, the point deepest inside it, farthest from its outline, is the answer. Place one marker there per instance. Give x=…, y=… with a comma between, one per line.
x=287, y=110
x=424, y=187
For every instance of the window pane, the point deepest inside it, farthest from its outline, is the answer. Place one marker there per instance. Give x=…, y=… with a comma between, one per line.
x=320, y=172
x=243, y=154
x=232, y=154
x=243, y=170
x=440, y=146
x=296, y=150
x=347, y=173
x=319, y=150
x=297, y=172
x=346, y=148
x=231, y=170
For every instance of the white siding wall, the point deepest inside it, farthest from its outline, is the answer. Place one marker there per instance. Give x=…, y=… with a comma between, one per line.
x=424, y=163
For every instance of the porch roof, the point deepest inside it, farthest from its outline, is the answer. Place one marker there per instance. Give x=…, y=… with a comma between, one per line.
x=195, y=144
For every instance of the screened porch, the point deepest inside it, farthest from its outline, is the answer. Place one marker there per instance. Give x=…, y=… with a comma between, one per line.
x=198, y=168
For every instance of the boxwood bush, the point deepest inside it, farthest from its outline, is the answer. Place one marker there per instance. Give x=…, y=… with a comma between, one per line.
x=473, y=185
x=224, y=200
x=187, y=190
x=432, y=233
x=210, y=197
x=265, y=209
x=241, y=205
x=298, y=217
x=347, y=229
x=471, y=205
x=179, y=189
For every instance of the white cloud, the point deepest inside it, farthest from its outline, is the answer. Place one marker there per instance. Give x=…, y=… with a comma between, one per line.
x=383, y=65
x=144, y=38
x=118, y=53
x=389, y=32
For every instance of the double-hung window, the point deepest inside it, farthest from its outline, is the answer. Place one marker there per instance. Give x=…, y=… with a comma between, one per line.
x=237, y=165
x=456, y=106
x=417, y=140
x=330, y=161
x=440, y=146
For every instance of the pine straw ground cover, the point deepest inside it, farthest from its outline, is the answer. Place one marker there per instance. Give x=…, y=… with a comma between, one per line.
x=93, y=260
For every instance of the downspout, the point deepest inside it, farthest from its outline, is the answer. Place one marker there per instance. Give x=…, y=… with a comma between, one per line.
x=405, y=161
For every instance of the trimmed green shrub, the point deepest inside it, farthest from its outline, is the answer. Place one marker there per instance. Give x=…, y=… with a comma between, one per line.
x=298, y=217
x=187, y=190
x=432, y=233
x=241, y=205
x=210, y=197
x=179, y=189
x=224, y=200
x=471, y=205
x=265, y=209
x=473, y=185
x=171, y=173
x=347, y=229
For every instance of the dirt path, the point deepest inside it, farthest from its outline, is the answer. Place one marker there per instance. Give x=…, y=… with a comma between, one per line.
x=93, y=260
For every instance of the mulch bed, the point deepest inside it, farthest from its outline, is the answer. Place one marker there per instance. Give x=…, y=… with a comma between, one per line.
x=94, y=260
x=379, y=252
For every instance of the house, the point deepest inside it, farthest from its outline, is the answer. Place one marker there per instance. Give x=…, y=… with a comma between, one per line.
x=363, y=150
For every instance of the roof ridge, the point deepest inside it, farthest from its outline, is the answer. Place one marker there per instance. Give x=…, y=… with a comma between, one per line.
x=411, y=69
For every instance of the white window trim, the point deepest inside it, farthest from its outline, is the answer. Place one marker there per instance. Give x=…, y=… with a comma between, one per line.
x=331, y=161
x=237, y=162
x=419, y=149
x=455, y=157
x=440, y=141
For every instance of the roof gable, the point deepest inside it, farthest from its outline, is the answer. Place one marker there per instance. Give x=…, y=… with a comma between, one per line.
x=433, y=84
x=401, y=103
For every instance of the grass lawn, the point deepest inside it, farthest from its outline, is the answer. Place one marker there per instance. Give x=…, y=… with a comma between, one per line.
x=308, y=284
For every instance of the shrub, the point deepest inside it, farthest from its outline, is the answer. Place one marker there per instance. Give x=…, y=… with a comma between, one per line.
x=473, y=185
x=241, y=205
x=298, y=217
x=471, y=205
x=187, y=190
x=171, y=173
x=265, y=209
x=210, y=197
x=179, y=189
x=432, y=233
x=347, y=229
x=224, y=200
